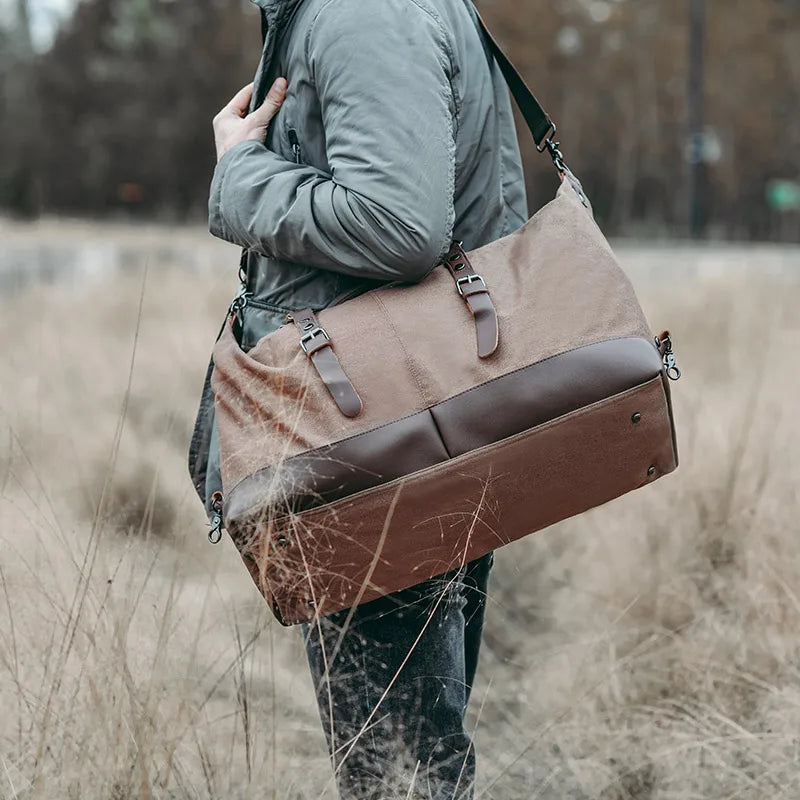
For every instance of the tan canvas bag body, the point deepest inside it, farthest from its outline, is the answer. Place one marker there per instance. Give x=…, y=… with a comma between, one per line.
x=415, y=428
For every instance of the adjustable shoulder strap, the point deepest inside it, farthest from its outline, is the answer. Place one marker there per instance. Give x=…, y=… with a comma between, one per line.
x=542, y=128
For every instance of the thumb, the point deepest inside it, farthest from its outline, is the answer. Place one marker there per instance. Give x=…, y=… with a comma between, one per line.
x=239, y=103
x=263, y=115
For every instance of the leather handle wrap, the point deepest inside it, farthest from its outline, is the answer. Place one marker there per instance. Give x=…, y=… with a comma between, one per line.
x=473, y=289
x=316, y=344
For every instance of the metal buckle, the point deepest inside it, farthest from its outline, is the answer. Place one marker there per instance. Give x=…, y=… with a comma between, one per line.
x=548, y=137
x=469, y=279
x=554, y=149
x=310, y=336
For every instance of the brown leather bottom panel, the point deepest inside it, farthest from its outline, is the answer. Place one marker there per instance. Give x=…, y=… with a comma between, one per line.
x=393, y=536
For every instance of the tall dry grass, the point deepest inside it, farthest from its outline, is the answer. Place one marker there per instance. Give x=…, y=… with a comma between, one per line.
x=647, y=649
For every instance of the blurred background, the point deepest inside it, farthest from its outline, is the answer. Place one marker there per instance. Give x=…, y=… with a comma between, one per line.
x=647, y=650
x=680, y=116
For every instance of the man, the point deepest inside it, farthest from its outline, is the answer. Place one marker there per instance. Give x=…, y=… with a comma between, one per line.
x=375, y=133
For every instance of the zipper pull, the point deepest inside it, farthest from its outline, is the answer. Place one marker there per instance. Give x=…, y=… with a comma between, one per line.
x=664, y=345
x=215, y=534
x=240, y=301
x=295, y=143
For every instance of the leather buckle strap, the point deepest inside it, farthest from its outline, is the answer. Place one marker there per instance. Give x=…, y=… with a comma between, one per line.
x=466, y=285
x=472, y=287
x=314, y=340
x=316, y=343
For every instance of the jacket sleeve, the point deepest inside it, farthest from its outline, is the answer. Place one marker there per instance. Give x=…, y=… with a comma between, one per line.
x=385, y=211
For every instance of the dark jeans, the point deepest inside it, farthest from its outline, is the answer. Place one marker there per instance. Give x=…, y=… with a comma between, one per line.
x=393, y=688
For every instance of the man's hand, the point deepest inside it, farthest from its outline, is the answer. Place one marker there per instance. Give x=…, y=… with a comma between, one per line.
x=233, y=124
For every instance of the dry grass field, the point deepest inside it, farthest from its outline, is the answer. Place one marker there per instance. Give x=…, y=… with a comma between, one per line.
x=648, y=650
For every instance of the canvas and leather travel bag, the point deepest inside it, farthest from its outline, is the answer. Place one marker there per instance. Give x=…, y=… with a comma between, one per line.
x=414, y=428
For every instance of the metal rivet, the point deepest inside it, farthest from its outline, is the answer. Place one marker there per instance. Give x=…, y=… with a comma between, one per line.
x=283, y=541
x=651, y=470
x=458, y=267
x=311, y=603
x=308, y=326
x=636, y=418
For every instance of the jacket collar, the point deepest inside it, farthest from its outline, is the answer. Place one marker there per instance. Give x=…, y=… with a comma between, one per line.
x=275, y=14
x=277, y=11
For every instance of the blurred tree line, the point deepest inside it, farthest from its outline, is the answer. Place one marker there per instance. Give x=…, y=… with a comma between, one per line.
x=114, y=118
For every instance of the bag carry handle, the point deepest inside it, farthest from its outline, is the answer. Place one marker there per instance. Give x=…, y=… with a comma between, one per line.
x=542, y=128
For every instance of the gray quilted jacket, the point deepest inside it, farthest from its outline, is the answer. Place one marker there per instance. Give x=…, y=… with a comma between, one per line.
x=396, y=137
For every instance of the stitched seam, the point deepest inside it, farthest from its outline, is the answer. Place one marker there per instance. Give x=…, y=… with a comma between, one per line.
x=452, y=125
x=307, y=42
x=504, y=230
x=409, y=363
x=578, y=412
x=439, y=431
x=451, y=185
x=262, y=304
x=544, y=360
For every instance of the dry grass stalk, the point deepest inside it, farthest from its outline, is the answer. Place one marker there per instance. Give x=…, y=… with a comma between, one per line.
x=644, y=650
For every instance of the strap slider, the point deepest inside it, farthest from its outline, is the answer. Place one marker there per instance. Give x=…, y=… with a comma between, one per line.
x=547, y=138
x=308, y=344
x=467, y=281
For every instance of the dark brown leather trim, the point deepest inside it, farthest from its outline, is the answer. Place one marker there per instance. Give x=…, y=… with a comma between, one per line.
x=473, y=289
x=344, y=468
x=483, y=415
x=316, y=344
x=486, y=328
x=543, y=391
